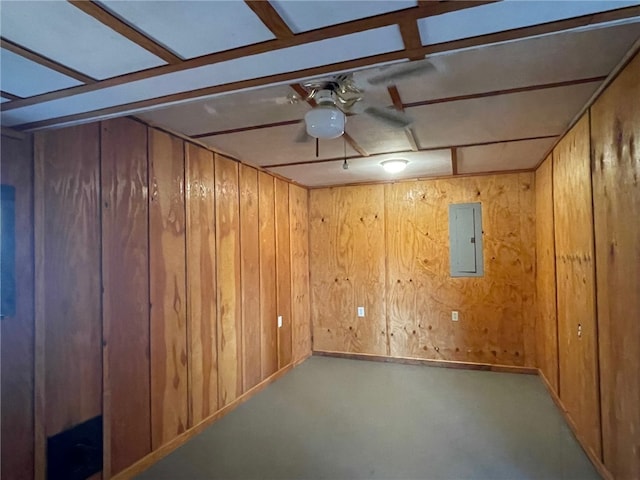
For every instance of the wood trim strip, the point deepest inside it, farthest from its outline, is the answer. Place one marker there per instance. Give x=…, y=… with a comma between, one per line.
x=107, y=18
x=423, y=179
x=11, y=133
x=535, y=30
x=356, y=26
x=45, y=62
x=39, y=414
x=395, y=98
x=397, y=103
x=167, y=448
x=507, y=91
x=454, y=161
x=9, y=96
x=411, y=37
x=427, y=149
x=270, y=17
x=595, y=460
x=303, y=94
x=246, y=129
x=355, y=145
x=411, y=138
x=487, y=367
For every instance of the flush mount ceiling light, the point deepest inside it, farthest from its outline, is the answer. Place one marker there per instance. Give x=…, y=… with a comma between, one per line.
x=326, y=120
x=394, y=166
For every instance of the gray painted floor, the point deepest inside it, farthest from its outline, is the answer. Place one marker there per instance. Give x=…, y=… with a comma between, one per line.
x=346, y=419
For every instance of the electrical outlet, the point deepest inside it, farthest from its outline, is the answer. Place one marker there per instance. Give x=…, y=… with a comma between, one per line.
x=454, y=316
x=279, y=321
x=361, y=311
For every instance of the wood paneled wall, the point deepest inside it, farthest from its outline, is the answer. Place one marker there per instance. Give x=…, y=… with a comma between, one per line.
x=229, y=293
x=385, y=247
x=300, y=301
x=201, y=284
x=68, y=278
x=250, y=274
x=347, y=258
x=125, y=299
x=615, y=146
x=268, y=301
x=283, y=272
x=596, y=200
x=168, y=298
x=17, y=330
x=160, y=270
x=546, y=321
x=575, y=280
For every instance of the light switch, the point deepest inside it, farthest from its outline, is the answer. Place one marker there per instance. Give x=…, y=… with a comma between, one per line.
x=361, y=311
x=279, y=321
x=454, y=316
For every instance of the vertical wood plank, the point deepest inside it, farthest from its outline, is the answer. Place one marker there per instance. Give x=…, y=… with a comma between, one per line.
x=283, y=271
x=575, y=279
x=169, y=406
x=300, y=300
x=125, y=272
x=228, y=279
x=17, y=329
x=347, y=245
x=402, y=280
x=201, y=283
x=70, y=292
x=615, y=143
x=250, y=275
x=546, y=321
x=331, y=294
x=40, y=435
x=526, y=204
x=268, y=305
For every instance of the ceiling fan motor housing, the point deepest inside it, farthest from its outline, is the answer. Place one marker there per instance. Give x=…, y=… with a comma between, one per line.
x=326, y=120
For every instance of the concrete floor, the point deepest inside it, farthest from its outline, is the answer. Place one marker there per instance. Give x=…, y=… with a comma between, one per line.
x=347, y=419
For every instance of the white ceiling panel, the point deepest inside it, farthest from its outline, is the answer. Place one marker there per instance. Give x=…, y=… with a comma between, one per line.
x=25, y=78
x=62, y=32
x=375, y=136
x=503, y=117
x=421, y=164
x=226, y=112
x=276, y=145
x=533, y=61
x=194, y=28
x=347, y=47
x=507, y=15
x=503, y=156
x=302, y=16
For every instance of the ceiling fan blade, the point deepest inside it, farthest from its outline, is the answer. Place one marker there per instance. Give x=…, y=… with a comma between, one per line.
x=394, y=73
x=389, y=116
x=302, y=135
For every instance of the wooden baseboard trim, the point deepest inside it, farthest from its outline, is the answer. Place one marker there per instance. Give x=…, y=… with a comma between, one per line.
x=488, y=367
x=145, y=462
x=595, y=460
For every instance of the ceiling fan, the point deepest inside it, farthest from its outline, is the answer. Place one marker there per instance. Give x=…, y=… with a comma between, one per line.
x=338, y=97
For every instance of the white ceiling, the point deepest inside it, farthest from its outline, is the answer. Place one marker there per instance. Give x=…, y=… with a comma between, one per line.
x=492, y=129
x=193, y=28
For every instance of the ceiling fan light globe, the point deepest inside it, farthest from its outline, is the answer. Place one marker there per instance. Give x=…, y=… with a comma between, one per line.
x=325, y=122
x=394, y=166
